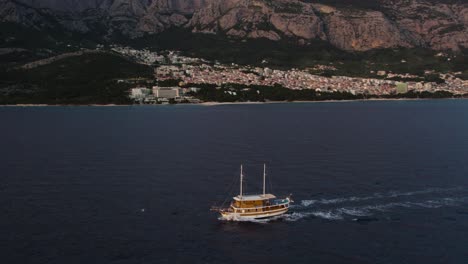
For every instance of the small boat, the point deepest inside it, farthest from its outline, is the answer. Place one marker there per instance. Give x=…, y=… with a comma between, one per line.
x=253, y=207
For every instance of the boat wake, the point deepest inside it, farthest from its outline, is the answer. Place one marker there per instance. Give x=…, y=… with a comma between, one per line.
x=366, y=208
x=392, y=194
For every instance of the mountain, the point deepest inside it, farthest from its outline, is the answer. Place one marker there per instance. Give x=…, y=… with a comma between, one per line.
x=88, y=78
x=350, y=25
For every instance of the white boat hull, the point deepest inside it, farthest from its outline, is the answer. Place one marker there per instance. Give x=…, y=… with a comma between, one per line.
x=231, y=216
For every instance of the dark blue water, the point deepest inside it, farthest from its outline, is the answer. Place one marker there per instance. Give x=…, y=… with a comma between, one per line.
x=373, y=182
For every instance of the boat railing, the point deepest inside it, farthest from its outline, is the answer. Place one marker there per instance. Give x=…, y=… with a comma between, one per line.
x=284, y=202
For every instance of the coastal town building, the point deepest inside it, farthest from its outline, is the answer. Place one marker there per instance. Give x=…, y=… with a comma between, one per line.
x=163, y=95
x=139, y=93
x=219, y=74
x=166, y=92
x=401, y=88
x=192, y=72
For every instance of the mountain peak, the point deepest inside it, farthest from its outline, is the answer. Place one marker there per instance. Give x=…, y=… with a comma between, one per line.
x=347, y=24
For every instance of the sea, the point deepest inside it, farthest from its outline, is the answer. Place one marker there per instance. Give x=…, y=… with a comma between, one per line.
x=372, y=182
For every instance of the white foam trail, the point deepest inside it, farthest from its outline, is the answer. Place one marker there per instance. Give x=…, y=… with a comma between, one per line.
x=392, y=194
x=330, y=215
x=292, y=206
x=369, y=210
x=308, y=202
x=354, y=211
x=429, y=204
x=292, y=217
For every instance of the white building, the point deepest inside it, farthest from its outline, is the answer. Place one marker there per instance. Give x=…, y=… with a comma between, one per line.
x=166, y=92
x=428, y=86
x=139, y=92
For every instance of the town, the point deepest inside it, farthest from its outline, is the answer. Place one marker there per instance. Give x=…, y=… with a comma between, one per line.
x=163, y=95
x=190, y=73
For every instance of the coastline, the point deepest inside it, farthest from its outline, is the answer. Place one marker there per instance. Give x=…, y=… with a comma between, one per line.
x=323, y=101
x=234, y=103
x=58, y=105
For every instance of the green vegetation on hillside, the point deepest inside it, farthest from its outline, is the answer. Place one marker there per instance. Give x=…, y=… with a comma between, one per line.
x=287, y=54
x=32, y=44
x=283, y=54
x=91, y=78
x=259, y=93
x=86, y=79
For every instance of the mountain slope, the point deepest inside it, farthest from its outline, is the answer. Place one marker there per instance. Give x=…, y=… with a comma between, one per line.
x=347, y=24
x=85, y=79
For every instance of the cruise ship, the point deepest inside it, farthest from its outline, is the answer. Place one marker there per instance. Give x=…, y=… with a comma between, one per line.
x=253, y=207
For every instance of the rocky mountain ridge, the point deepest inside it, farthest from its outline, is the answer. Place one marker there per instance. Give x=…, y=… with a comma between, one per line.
x=440, y=25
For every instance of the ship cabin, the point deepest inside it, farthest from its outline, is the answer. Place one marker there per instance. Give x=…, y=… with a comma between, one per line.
x=258, y=203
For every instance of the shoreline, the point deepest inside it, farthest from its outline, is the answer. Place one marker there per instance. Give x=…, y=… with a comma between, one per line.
x=323, y=101
x=234, y=103
x=59, y=105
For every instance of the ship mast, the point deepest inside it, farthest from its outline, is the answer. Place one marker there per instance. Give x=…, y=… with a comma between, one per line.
x=264, y=177
x=241, y=178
